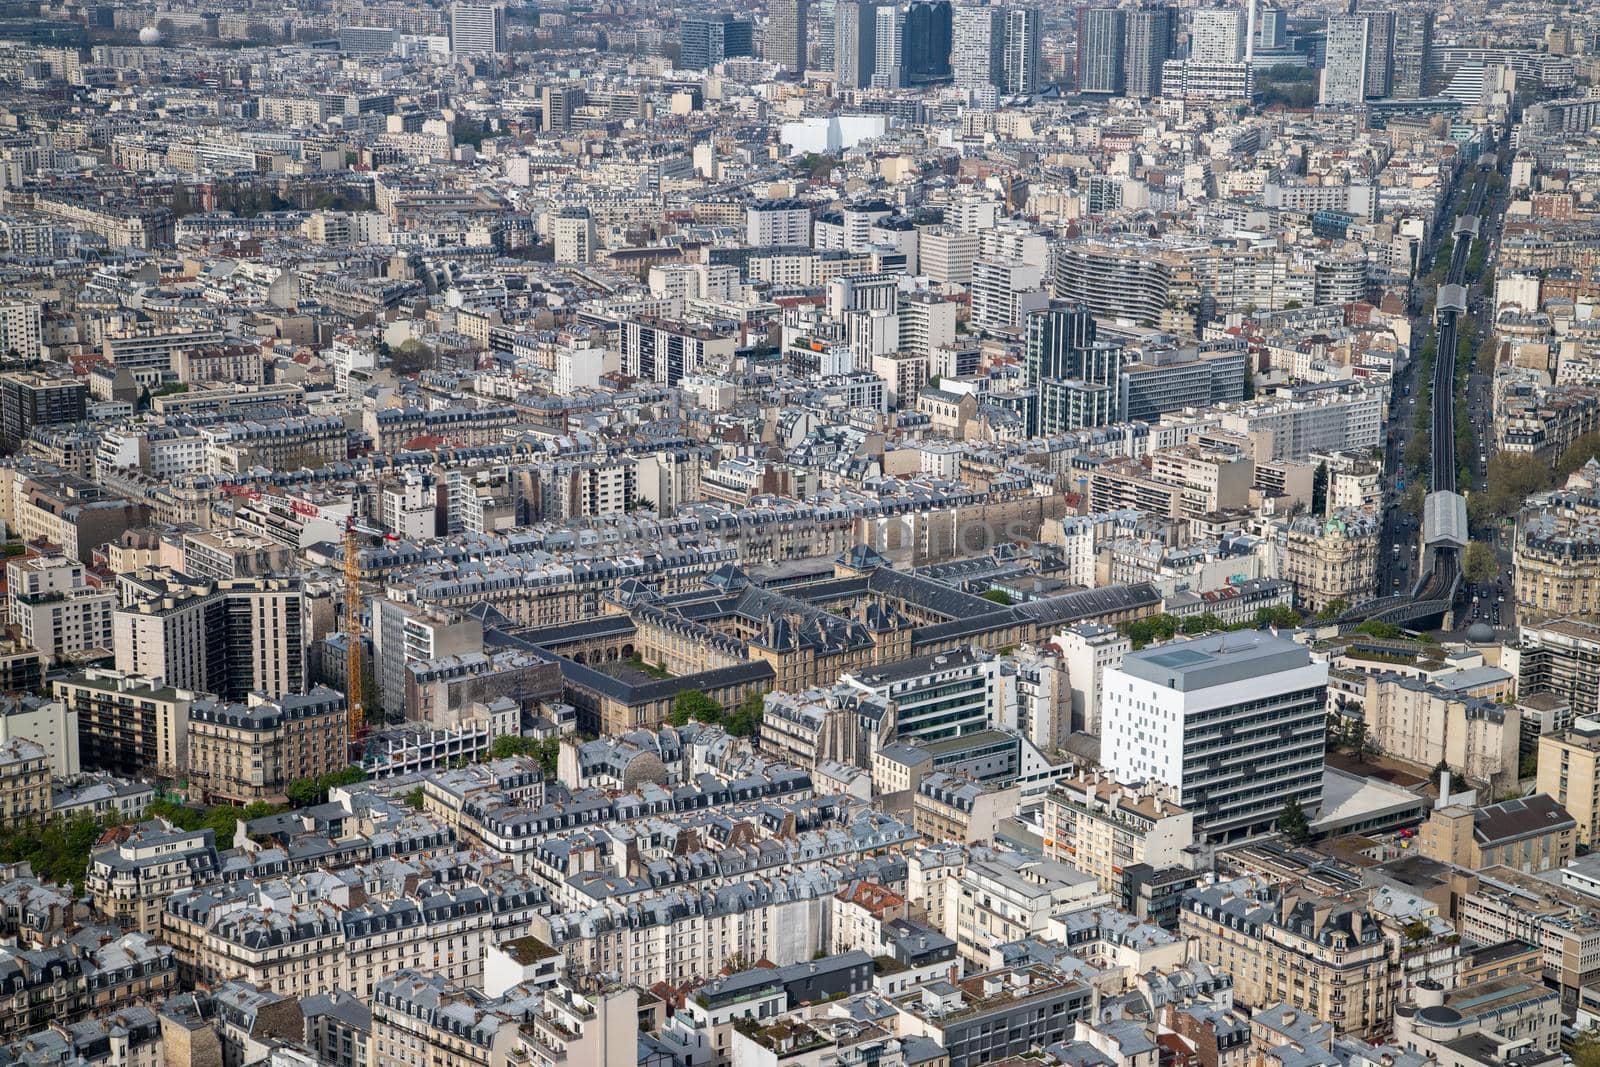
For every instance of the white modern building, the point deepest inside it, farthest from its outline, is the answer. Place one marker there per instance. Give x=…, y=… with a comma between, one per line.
x=1234, y=723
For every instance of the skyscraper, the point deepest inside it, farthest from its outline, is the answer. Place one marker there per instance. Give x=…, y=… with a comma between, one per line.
x=1020, y=65
x=927, y=42
x=1380, y=53
x=978, y=51
x=1101, y=49
x=477, y=29
x=786, y=35
x=1148, y=44
x=706, y=40
x=827, y=18
x=1344, y=71
x=1270, y=27
x=855, y=47
x=887, y=68
x=1074, y=376
x=1216, y=35
x=1413, y=48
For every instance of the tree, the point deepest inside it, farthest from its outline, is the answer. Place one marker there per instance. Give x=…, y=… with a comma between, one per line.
x=1292, y=823
x=1586, y=1049
x=414, y=799
x=998, y=596
x=1415, y=454
x=1413, y=499
x=1319, y=489
x=508, y=745
x=746, y=718
x=1356, y=738
x=1333, y=609
x=693, y=704
x=1479, y=563
x=413, y=357
x=1387, y=631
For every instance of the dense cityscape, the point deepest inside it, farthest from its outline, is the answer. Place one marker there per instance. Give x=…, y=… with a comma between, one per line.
x=822, y=533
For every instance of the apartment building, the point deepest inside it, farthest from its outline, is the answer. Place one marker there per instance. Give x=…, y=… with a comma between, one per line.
x=1561, y=657
x=1332, y=559
x=419, y=1017
x=996, y=1014
x=1009, y=898
x=1426, y=723
x=1569, y=774
x=129, y=726
x=244, y=753
x=131, y=879
x=1323, y=955
x=947, y=807
x=72, y=513
x=1102, y=827
x=33, y=400
x=231, y=637
x=57, y=611
x=24, y=782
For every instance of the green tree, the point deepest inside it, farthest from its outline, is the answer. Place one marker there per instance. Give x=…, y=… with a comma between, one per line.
x=998, y=596
x=1319, y=489
x=1356, y=738
x=414, y=799
x=1479, y=563
x=746, y=718
x=1386, y=630
x=693, y=704
x=413, y=357
x=1293, y=823
x=1411, y=502
x=1333, y=609
x=507, y=745
x=1586, y=1049
x=1416, y=452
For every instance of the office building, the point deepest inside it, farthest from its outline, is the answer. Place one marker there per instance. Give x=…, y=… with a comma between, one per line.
x=1148, y=41
x=1235, y=724
x=855, y=49
x=29, y=400
x=1533, y=834
x=785, y=42
x=1020, y=71
x=367, y=40
x=1344, y=70
x=934, y=698
x=477, y=29
x=928, y=36
x=977, y=58
x=888, y=65
x=1102, y=49
x=1217, y=35
x=1075, y=377
x=1380, y=53
x=1413, y=51
x=706, y=40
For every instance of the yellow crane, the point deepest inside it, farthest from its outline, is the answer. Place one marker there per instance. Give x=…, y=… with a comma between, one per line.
x=354, y=697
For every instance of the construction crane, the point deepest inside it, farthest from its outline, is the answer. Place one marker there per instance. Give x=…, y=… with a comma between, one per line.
x=354, y=697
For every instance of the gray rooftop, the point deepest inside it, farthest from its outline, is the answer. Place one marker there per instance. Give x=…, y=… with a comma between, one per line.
x=1223, y=659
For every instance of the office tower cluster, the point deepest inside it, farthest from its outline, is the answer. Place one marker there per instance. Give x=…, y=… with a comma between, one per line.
x=706, y=40
x=1375, y=54
x=930, y=42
